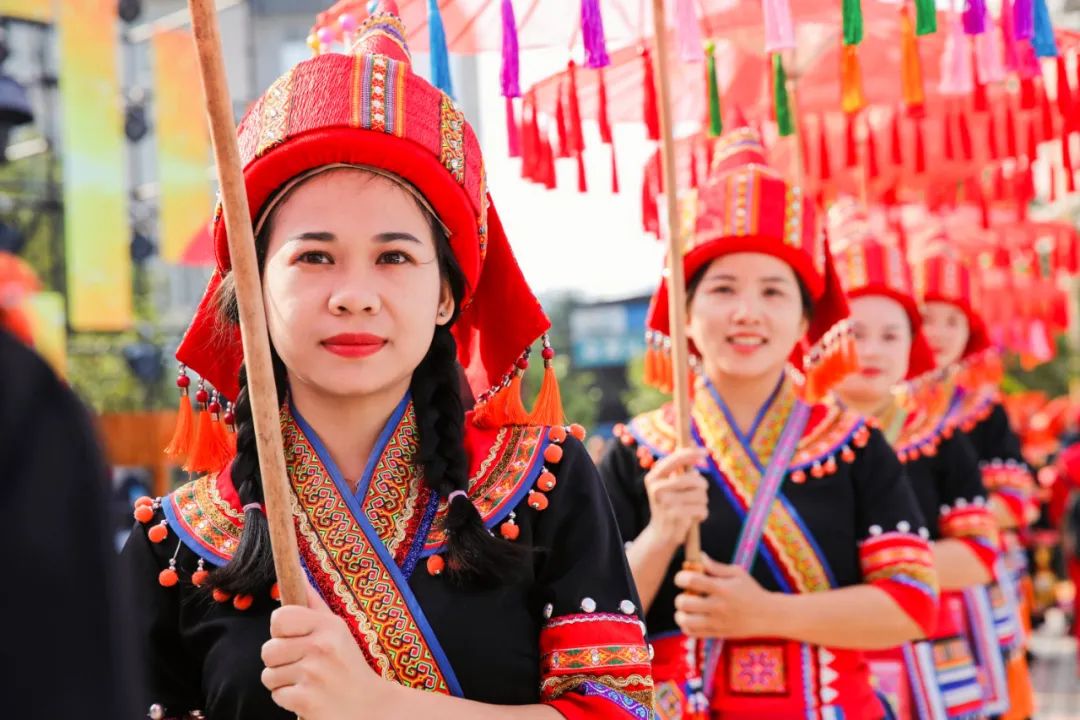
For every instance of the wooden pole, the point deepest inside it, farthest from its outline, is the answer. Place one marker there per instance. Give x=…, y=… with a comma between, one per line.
x=676, y=282
x=261, y=387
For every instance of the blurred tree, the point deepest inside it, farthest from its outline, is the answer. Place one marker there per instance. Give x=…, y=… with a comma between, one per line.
x=640, y=397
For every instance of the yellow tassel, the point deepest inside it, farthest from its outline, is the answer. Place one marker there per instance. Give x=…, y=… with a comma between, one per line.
x=180, y=444
x=548, y=409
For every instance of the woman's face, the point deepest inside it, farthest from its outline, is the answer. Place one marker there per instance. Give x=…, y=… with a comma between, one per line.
x=946, y=328
x=746, y=315
x=351, y=284
x=883, y=343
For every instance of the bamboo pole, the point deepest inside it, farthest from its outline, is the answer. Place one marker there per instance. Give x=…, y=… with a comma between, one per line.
x=261, y=387
x=676, y=282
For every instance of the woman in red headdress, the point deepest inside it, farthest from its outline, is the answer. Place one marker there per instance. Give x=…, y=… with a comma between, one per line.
x=937, y=679
x=473, y=556
x=843, y=565
x=962, y=349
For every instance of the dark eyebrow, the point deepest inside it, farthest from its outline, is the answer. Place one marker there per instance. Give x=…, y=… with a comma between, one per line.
x=322, y=236
x=315, y=235
x=392, y=236
x=776, y=279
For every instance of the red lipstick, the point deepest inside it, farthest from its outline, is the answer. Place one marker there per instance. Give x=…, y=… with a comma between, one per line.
x=354, y=345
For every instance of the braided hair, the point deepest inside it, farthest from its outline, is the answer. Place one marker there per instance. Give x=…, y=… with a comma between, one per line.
x=474, y=555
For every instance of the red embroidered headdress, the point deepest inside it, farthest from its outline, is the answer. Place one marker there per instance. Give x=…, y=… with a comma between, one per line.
x=868, y=266
x=746, y=206
x=368, y=108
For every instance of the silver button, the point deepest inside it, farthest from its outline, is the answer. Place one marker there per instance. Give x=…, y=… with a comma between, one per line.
x=875, y=530
x=627, y=607
x=903, y=526
x=588, y=605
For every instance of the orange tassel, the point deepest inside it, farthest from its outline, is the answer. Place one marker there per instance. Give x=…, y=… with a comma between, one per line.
x=648, y=372
x=202, y=456
x=851, y=91
x=503, y=408
x=180, y=444
x=911, y=78
x=667, y=378
x=548, y=409
x=223, y=444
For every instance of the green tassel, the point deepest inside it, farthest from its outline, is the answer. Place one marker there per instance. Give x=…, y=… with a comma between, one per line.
x=716, y=122
x=853, y=22
x=784, y=123
x=925, y=17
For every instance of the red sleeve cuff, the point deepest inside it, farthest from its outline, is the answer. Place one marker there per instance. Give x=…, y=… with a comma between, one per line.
x=902, y=565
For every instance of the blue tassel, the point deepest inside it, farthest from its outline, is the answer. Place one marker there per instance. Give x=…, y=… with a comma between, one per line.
x=1043, y=39
x=440, y=58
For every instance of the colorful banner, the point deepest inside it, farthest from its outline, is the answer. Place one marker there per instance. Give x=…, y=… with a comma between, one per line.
x=45, y=312
x=33, y=10
x=185, y=197
x=96, y=226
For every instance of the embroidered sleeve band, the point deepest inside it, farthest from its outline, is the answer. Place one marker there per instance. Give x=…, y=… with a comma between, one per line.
x=1011, y=486
x=596, y=665
x=902, y=565
x=975, y=526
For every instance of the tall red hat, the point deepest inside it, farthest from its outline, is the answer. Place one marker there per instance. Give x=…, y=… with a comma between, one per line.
x=943, y=277
x=746, y=206
x=868, y=266
x=367, y=108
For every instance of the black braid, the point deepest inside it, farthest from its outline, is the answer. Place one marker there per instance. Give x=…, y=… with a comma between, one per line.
x=474, y=555
x=251, y=569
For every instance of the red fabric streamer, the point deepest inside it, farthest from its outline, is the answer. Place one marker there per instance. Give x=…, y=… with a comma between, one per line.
x=825, y=167
x=650, y=111
x=1012, y=142
x=895, y=145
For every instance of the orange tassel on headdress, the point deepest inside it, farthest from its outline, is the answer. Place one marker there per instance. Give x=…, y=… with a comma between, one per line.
x=504, y=407
x=911, y=78
x=180, y=444
x=648, y=372
x=548, y=409
x=210, y=450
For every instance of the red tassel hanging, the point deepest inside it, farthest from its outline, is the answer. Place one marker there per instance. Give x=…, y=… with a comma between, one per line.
x=513, y=129
x=651, y=113
x=920, y=149
x=560, y=125
x=546, y=163
x=992, y=136
x=650, y=210
x=965, y=136
x=1046, y=114
x=851, y=149
x=1066, y=163
x=896, y=150
x=614, y=171
x=825, y=170
x=604, y=120
x=573, y=121
x=1027, y=93
x=946, y=134
x=530, y=137
x=999, y=184
x=695, y=181
x=582, y=182
x=1032, y=142
x=1012, y=142
x=1053, y=193
x=1064, y=97
x=872, y=169
x=979, y=99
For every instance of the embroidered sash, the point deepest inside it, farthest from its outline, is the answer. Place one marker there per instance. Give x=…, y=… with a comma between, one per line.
x=359, y=548
x=753, y=528
x=736, y=465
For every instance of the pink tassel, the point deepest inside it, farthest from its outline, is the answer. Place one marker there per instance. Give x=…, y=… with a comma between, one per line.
x=1029, y=61
x=1008, y=37
x=779, y=32
x=956, y=70
x=688, y=32
x=592, y=33
x=510, y=66
x=988, y=58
